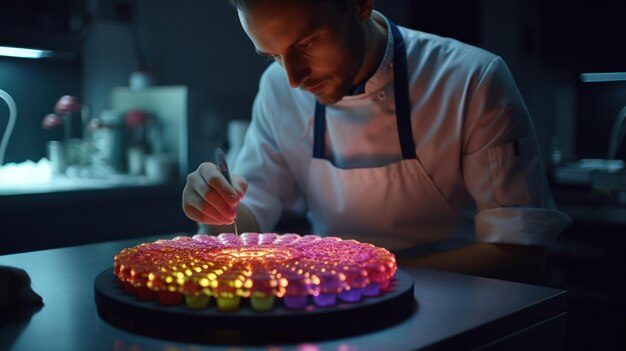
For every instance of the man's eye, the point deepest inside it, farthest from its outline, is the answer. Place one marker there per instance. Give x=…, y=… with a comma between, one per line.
x=306, y=45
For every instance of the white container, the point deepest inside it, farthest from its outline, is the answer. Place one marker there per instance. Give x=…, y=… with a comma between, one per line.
x=159, y=168
x=58, y=157
x=136, y=157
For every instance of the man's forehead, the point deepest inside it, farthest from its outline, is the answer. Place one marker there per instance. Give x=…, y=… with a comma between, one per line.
x=277, y=12
x=272, y=26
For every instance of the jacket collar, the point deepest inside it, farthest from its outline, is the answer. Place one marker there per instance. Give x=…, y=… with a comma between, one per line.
x=384, y=73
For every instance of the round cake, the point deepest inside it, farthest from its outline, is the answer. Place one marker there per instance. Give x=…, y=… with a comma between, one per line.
x=299, y=270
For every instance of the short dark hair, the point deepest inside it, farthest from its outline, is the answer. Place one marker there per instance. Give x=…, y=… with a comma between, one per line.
x=243, y=4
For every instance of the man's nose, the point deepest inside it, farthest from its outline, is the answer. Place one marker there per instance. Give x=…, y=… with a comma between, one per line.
x=297, y=70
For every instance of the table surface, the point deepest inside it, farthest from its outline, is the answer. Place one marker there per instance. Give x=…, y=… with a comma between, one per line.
x=453, y=309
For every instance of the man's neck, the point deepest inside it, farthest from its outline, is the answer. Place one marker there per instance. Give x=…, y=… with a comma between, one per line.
x=375, y=46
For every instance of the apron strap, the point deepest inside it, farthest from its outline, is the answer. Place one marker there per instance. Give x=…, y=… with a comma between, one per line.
x=319, y=129
x=401, y=92
x=403, y=105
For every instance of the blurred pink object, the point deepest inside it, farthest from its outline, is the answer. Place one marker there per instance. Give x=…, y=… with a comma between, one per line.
x=136, y=118
x=67, y=103
x=51, y=121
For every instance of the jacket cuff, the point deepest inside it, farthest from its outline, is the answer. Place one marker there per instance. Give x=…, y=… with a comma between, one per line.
x=520, y=225
x=265, y=207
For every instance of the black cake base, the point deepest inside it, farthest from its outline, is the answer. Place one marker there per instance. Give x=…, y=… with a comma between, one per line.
x=247, y=326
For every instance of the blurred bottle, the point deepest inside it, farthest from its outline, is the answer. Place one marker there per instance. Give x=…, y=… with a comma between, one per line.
x=57, y=157
x=556, y=155
x=141, y=79
x=136, y=122
x=107, y=138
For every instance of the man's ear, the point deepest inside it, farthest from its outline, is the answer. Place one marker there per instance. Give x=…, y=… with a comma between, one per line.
x=364, y=9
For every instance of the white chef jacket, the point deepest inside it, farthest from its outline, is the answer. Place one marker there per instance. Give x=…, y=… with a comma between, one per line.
x=472, y=132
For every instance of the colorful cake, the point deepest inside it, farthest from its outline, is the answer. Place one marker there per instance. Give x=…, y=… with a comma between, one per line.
x=261, y=267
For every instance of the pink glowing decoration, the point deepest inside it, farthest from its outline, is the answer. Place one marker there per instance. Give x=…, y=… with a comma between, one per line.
x=261, y=267
x=67, y=104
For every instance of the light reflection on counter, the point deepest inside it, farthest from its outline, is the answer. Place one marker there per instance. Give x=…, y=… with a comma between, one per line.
x=34, y=178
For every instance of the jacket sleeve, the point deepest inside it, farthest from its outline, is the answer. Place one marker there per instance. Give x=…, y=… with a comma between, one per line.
x=271, y=186
x=502, y=166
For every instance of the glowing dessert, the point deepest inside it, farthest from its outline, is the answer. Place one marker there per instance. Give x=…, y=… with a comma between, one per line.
x=261, y=267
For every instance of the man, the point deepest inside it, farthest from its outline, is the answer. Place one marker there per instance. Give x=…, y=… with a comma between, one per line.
x=384, y=133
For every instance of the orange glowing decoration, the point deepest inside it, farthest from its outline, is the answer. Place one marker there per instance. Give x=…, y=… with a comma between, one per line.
x=261, y=267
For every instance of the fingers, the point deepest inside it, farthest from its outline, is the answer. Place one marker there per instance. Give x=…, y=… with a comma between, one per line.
x=208, y=198
x=209, y=209
x=206, y=218
x=217, y=182
x=240, y=184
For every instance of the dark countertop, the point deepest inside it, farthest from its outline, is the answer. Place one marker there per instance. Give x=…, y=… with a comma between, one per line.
x=588, y=205
x=455, y=311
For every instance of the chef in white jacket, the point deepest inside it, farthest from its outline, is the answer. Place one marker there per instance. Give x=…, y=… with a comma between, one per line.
x=384, y=134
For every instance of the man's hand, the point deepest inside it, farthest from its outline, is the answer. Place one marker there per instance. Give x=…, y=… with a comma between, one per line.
x=209, y=199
